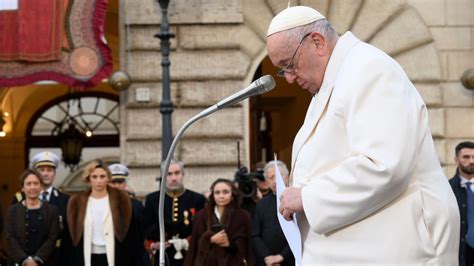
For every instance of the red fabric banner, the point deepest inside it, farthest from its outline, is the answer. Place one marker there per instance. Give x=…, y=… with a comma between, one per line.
x=59, y=40
x=31, y=33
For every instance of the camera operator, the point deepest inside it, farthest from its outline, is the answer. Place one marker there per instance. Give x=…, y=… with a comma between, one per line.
x=247, y=185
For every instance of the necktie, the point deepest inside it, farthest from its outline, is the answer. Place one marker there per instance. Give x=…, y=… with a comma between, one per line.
x=44, y=196
x=470, y=215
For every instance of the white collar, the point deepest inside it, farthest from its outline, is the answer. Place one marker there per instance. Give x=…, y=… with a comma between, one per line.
x=49, y=190
x=464, y=181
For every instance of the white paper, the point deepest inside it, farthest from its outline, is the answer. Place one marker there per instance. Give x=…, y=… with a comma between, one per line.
x=290, y=228
x=8, y=4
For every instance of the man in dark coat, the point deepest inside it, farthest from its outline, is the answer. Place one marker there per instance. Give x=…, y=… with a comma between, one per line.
x=46, y=163
x=268, y=239
x=180, y=206
x=119, y=180
x=463, y=186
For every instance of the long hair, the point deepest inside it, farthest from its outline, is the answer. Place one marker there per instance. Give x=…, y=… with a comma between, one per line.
x=236, y=199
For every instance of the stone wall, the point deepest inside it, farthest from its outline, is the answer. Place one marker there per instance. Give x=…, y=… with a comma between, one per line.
x=219, y=44
x=208, y=62
x=451, y=24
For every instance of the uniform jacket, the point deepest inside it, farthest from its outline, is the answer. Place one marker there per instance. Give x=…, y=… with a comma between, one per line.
x=121, y=229
x=236, y=223
x=187, y=205
x=461, y=198
x=373, y=190
x=17, y=236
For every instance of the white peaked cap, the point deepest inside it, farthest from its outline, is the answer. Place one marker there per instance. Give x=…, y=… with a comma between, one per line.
x=293, y=17
x=118, y=171
x=45, y=159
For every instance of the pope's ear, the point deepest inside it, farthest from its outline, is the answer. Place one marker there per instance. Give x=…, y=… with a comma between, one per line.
x=319, y=42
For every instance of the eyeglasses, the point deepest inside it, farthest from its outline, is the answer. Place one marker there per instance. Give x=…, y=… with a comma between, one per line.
x=289, y=68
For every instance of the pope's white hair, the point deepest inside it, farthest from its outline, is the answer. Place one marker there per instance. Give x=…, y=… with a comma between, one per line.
x=321, y=26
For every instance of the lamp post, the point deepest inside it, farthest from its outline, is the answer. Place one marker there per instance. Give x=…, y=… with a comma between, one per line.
x=166, y=106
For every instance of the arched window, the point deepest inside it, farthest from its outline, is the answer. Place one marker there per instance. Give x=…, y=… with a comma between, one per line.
x=94, y=118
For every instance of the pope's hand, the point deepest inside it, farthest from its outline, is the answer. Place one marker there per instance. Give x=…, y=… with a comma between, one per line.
x=290, y=202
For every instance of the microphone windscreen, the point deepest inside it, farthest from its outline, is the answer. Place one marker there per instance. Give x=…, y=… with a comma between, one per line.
x=268, y=83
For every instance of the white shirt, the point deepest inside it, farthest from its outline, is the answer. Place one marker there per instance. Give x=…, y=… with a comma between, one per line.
x=464, y=181
x=216, y=212
x=48, y=196
x=97, y=214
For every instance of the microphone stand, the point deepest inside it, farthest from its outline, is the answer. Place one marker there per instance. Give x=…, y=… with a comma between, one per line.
x=261, y=85
x=164, y=173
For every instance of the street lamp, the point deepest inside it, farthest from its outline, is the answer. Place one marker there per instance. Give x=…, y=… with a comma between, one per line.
x=166, y=106
x=71, y=141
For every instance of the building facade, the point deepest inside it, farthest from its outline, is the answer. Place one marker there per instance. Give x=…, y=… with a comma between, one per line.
x=219, y=48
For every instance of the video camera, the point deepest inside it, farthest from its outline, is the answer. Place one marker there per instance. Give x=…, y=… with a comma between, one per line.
x=246, y=181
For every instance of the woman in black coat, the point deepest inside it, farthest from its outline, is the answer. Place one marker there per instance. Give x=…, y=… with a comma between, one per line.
x=117, y=240
x=221, y=231
x=32, y=225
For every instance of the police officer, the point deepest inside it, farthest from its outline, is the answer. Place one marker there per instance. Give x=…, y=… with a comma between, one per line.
x=180, y=206
x=119, y=180
x=46, y=163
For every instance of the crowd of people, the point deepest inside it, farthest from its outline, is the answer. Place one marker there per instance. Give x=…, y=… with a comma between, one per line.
x=107, y=225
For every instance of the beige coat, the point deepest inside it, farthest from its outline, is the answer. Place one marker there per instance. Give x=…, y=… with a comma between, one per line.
x=373, y=189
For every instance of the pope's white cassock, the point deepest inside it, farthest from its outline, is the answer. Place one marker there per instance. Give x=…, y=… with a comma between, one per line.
x=373, y=189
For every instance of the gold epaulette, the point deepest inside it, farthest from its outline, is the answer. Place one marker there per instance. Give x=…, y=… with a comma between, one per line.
x=19, y=196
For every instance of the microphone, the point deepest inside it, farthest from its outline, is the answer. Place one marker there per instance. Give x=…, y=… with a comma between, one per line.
x=259, y=86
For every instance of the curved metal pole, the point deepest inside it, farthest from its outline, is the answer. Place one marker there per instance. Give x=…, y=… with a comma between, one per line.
x=164, y=174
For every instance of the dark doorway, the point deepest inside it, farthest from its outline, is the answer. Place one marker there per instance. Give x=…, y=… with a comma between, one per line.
x=275, y=118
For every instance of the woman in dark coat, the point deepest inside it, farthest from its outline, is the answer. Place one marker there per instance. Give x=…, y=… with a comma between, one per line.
x=221, y=231
x=101, y=223
x=32, y=225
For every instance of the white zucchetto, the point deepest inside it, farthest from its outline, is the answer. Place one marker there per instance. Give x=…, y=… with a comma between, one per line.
x=293, y=17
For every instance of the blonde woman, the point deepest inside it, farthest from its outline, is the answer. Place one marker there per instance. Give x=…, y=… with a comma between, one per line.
x=101, y=223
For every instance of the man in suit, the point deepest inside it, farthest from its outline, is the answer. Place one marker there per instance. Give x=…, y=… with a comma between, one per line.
x=268, y=240
x=367, y=186
x=46, y=163
x=180, y=206
x=462, y=185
